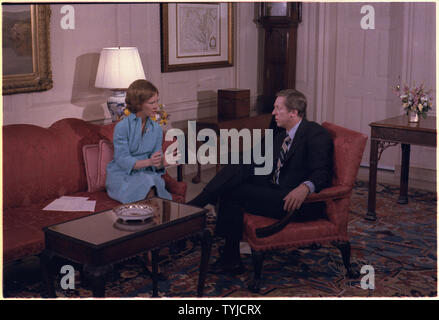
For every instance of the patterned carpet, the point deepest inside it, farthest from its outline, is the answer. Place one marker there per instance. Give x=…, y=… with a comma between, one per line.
x=400, y=246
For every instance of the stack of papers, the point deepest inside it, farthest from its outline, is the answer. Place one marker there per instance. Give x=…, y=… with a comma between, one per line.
x=71, y=204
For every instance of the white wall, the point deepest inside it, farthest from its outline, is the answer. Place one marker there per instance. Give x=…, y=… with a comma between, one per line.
x=347, y=72
x=75, y=55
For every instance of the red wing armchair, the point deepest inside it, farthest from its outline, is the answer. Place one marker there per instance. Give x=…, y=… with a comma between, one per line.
x=348, y=151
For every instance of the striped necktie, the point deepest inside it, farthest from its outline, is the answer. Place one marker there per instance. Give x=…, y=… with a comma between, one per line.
x=281, y=160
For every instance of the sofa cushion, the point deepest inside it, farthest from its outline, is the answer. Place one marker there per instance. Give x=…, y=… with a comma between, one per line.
x=106, y=154
x=91, y=159
x=96, y=158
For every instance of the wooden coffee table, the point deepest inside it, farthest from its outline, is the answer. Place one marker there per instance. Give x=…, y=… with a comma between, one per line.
x=98, y=241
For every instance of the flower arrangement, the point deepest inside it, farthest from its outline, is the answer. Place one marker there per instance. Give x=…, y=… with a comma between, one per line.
x=416, y=99
x=161, y=117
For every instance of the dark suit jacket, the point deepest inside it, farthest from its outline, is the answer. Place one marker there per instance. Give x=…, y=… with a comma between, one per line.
x=310, y=157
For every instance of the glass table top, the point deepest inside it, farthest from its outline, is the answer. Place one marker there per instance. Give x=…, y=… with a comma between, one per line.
x=105, y=226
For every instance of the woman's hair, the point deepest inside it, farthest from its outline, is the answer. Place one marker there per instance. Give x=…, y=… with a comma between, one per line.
x=138, y=92
x=294, y=100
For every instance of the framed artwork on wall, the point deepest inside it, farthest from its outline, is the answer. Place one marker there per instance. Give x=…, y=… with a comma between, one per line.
x=26, y=48
x=196, y=36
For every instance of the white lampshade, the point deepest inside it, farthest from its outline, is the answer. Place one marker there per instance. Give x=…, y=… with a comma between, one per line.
x=118, y=68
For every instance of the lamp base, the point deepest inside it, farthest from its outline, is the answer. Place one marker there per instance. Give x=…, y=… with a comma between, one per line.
x=116, y=104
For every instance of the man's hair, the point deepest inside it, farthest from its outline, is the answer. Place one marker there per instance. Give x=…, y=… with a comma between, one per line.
x=294, y=100
x=138, y=92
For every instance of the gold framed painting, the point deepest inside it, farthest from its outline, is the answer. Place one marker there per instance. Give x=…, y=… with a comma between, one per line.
x=26, y=48
x=196, y=36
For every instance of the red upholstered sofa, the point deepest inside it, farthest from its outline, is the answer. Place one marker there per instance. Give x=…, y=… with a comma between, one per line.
x=42, y=164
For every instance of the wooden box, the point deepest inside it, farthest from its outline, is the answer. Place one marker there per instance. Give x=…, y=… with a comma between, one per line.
x=233, y=103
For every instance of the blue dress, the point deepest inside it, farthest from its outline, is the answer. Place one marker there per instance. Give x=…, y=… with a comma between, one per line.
x=124, y=183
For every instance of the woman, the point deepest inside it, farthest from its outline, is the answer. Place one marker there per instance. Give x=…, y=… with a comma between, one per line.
x=135, y=172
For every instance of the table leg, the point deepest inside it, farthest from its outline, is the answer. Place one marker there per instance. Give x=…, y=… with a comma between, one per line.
x=197, y=178
x=46, y=262
x=404, y=180
x=97, y=276
x=373, y=164
x=204, y=263
x=155, y=280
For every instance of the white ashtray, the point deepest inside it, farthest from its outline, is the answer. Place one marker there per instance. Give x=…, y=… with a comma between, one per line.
x=134, y=212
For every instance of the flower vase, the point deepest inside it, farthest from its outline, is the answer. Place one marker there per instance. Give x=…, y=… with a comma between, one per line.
x=413, y=117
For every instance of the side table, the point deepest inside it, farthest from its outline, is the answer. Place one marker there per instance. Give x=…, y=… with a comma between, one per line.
x=390, y=132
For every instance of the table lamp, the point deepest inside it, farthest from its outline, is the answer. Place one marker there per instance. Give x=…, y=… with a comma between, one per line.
x=118, y=68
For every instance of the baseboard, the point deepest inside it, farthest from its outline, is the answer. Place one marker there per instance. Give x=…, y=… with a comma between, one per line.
x=419, y=178
x=415, y=173
x=421, y=174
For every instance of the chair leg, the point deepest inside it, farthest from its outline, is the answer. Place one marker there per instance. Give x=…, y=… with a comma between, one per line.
x=345, y=249
x=258, y=260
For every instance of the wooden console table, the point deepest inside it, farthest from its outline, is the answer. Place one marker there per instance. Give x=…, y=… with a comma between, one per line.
x=390, y=132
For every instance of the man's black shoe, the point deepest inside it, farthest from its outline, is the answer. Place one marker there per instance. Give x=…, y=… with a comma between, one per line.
x=222, y=267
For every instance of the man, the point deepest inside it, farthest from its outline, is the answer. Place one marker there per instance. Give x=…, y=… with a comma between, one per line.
x=302, y=164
